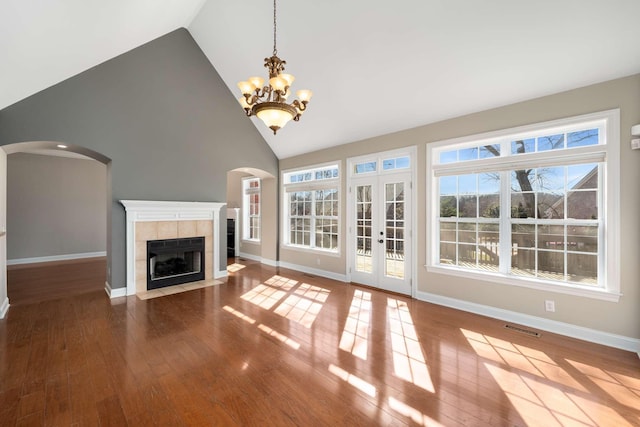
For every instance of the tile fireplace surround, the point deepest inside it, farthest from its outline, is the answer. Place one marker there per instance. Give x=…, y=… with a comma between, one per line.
x=156, y=220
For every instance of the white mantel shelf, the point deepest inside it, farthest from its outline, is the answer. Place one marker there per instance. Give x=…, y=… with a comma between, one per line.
x=156, y=210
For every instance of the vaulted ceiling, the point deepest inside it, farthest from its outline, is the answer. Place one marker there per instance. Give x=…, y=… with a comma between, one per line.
x=375, y=67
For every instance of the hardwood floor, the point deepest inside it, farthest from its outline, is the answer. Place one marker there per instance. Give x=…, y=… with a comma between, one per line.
x=274, y=347
x=32, y=283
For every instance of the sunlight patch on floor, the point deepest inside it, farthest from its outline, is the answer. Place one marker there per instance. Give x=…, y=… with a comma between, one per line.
x=544, y=393
x=302, y=305
x=531, y=361
x=539, y=403
x=355, y=334
x=264, y=296
x=239, y=314
x=622, y=388
x=300, y=310
x=415, y=415
x=408, y=360
x=311, y=292
x=280, y=337
x=268, y=294
x=264, y=328
x=232, y=268
x=281, y=282
x=354, y=380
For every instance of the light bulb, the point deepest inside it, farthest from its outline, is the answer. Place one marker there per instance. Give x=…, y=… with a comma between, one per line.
x=288, y=78
x=246, y=87
x=304, y=95
x=278, y=83
x=257, y=82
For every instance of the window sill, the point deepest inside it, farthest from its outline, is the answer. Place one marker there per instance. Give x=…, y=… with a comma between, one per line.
x=581, y=291
x=326, y=252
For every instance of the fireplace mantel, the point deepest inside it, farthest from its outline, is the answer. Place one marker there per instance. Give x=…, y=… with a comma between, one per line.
x=149, y=211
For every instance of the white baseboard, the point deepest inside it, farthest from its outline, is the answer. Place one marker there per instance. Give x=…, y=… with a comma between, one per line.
x=309, y=270
x=114, y=293
x=66, y=257
x=250, y=256
x=220, y=274
x=579, y=332
x=4, y=308
x=270, y=262
x=315, y=271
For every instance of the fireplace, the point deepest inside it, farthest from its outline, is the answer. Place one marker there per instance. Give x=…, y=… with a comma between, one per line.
x=165, y=220
x=175, y=261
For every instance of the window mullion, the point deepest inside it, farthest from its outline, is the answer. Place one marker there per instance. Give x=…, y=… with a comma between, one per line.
x=312, y=222
x=505, y=223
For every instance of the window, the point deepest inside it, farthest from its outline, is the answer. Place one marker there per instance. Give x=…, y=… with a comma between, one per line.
x=388, y=164
x=533, y=206
x=311, y=206
x=251, y=209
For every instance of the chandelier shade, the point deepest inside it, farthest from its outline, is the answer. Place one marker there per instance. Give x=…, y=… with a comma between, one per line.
x=269, y=102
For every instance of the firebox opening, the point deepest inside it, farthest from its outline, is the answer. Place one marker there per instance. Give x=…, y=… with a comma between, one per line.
x=174, y=261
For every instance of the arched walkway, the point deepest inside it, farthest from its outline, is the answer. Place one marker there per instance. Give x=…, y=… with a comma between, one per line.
x=44, y=148
x=265, y=248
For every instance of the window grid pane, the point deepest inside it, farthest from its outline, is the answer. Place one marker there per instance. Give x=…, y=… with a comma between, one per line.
x=554, y=213
x=251, y=209
x=313, y=218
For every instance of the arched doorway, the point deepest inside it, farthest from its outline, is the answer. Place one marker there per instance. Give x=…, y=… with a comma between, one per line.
x=252, y=201
x=65, y=155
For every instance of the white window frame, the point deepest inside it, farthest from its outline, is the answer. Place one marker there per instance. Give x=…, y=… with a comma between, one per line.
x=247, y=192
x=312, y=186
x=607, y=152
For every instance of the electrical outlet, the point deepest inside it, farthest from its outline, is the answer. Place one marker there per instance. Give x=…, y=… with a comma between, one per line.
x=318, y=261
x=550, y=305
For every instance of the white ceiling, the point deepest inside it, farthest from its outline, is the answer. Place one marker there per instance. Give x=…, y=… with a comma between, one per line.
x=375, y=67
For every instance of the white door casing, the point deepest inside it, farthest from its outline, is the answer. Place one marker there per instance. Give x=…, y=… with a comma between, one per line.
x=381, y=214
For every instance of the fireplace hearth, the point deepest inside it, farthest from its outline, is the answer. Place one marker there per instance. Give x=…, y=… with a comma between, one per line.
x=175, y=261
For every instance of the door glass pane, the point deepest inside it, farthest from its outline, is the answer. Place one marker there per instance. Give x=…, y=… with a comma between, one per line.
x=363, y=229
x=394, y=230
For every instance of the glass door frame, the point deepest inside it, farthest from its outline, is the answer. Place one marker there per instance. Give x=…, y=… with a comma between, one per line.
x=377, y=168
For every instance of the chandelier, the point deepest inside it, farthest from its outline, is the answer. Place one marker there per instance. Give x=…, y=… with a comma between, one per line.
x=269, y=102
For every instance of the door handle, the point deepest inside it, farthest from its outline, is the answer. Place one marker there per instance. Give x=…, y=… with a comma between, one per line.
x=381, y=241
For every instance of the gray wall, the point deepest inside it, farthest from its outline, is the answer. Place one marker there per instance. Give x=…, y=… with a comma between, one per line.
x=623, y=317
x=55, y=206
x=161, y=113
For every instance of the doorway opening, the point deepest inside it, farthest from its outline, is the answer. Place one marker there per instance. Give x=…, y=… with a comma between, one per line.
x=58, y=220
x=381, y=217
x=252, y=217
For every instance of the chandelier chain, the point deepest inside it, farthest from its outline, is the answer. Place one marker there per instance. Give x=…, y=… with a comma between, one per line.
x=275, y=51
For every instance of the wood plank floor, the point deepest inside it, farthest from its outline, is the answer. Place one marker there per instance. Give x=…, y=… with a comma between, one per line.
x=274, y=347
x=32, y=283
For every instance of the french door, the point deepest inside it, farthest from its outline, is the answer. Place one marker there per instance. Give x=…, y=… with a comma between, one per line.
x=380, y=231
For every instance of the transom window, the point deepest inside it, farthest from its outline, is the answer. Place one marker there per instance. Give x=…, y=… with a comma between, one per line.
x=387, y=164
x=535, y=206
x=251, y=209
x=312, y=208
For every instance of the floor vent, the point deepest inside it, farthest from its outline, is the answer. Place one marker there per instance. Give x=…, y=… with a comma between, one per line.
x=523, y=331
x=309, y=275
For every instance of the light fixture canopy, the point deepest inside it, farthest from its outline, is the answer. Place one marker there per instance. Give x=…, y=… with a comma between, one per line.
x=269, y=102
